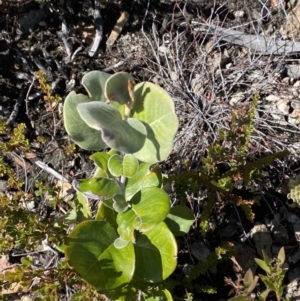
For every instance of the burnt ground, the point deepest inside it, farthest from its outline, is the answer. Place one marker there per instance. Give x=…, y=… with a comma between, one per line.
x=207, y=76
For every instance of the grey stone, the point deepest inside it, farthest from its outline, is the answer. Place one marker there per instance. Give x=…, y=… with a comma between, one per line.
x=30, y=21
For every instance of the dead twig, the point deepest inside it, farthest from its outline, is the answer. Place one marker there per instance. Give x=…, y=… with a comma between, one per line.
x=257, y=43
x=16, y=109
x=99, y=29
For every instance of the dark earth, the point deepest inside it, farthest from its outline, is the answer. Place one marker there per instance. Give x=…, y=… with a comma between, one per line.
x=206, y=76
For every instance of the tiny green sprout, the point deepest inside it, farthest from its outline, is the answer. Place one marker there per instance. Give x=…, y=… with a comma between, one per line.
x=16, y=139
x=69, y=148
x=249, y=284
x=45, y=86
x=294, y=194
x=275, y=274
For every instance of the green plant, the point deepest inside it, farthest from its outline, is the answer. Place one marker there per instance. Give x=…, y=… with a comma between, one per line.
x=294, y=194
x=275, y=274
x=273, y=280
x=127, y=245
x=248, y=285
x=12, y=141
x=229, y=151
x=51, y=99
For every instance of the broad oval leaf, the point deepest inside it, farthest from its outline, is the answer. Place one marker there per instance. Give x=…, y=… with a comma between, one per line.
x=179, y=220
x=126, y=136
x=115, y=165
x=146, y=176
x=155, y=108
x=126, y=167
x=90, y=249
x=127, y=222
x=83, y=135
x=116, y=87
x=104, y=187
x=130, y=165
x=101, y=160
x=151, y=206
x=155, y=253
x=94, y=83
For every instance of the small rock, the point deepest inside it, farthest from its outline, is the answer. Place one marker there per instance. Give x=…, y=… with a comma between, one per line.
x=280, y=234
x=295, y=104
x=297, y=230
x=293, y=71
x=244, y=255
x=292, y=218
x=283, y=106
x=237, y=97
x=30, y=21
x=294, y=117
x=294, y=257
x=2, y=185
x=239, y=13
x=273, y=98
x=262, y=239
x=293, y=23
x=200, y=251
x=163, y=49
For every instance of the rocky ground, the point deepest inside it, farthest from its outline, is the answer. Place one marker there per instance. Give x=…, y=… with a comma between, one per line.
x=211, y=56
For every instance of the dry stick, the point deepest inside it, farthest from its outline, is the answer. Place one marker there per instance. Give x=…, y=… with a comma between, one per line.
x=118, y=64
x=257, y=43
x=117, y=29
x=27, y=95
x=99, y=29
x=64, y=35
x=75, y=52
x=16, y=109
x=149, y=42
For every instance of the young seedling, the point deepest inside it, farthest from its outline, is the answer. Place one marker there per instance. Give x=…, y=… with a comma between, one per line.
x=275, y=274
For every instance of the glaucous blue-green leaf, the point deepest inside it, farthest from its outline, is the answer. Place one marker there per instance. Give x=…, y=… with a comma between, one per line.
x=120, y=204
x=155, y=254
x=83, y=135
x=151, y=206
x=179, y=220
x=155, y=108
x=116, y=87
x=103, y=187
x=146, y=176
x=126, y=166
x=90, y=250
x=126, y=136
x=94, y=83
